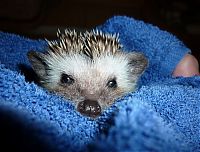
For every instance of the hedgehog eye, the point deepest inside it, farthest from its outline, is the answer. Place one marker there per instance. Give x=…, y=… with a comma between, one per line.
x=112, y=83
x=66, y=79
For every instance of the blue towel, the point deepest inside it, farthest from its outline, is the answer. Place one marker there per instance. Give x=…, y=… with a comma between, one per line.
x=162, y=115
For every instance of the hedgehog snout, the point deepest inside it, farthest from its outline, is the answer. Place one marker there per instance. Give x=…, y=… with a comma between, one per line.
x=89, y=108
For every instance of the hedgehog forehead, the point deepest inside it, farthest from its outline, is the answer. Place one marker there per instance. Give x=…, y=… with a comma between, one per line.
x=82, y=67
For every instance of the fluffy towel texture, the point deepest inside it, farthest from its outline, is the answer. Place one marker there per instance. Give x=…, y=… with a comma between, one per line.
x=163, y=115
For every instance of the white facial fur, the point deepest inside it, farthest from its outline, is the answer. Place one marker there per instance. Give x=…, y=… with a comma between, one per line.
x=90, y=72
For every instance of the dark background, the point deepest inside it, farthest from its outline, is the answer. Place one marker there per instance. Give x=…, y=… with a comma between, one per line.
x=41, y=18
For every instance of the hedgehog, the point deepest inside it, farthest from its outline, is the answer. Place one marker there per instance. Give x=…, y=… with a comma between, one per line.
x=89, y=68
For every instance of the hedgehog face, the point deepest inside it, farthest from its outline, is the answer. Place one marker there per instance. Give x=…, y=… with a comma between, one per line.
x=92, y=83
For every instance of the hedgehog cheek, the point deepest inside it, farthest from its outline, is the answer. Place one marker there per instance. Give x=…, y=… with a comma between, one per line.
x=137, y=63
x=38, y=63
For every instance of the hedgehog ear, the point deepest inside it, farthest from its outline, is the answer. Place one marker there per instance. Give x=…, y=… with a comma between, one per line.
x=38, y=63
x=137, y=63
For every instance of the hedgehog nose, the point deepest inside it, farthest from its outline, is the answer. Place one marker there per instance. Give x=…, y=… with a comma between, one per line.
x=89, y=108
